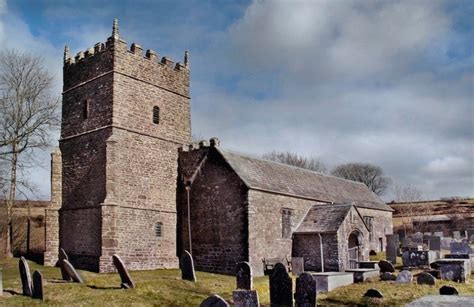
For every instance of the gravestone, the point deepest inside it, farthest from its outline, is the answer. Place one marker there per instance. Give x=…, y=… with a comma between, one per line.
x=409, y=244
x=245, y=298
x=214, y=301
x=457, y=235
x=425, y=279
x=26, y=283
x=470, y=234
x=418, y=258
x=404, y=277
x=37, y=285
x=281, y=287
x=386, y=276
x=297, y=265
x=454, y=269
x=392, y=247
x=186, y=264
x=244, y=276
x=401, y=234
x=61, y=257
x=71, y=271
x=448, y=290
x=460, y=248
x=1, y=282
x=373, y=293
x=446, y=243
x=434, y=243
x=126, y=279
x=386, y=266
x=438, y=234
x=305, y=295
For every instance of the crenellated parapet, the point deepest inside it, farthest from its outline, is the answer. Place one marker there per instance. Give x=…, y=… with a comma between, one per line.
x=115, y=56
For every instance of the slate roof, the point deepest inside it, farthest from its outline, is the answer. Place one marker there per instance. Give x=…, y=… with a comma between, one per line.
x=269, y=176
x=323, y=219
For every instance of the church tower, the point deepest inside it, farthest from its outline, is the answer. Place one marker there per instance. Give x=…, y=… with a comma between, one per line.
x=124, y=115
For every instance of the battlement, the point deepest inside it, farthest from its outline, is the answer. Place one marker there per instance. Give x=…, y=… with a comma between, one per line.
x=213, y=142
x=116, y=55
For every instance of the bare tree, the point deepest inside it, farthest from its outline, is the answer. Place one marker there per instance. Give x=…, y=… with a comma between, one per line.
x=406, y=193
x=294, y=159
x=372, y=176
x=28, y=111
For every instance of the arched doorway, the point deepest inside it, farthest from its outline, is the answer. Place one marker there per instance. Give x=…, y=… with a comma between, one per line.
x=353, y=249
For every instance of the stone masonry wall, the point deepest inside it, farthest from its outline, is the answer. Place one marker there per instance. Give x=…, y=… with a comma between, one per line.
x=52, y=213
x=218, y=213
x=382, y=226
x=308, y=247
x=265, y=226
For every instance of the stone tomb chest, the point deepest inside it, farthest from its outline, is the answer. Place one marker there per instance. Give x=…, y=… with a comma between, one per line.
x=328, y=281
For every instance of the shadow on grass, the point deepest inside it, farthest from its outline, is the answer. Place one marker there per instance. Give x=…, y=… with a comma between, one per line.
x=104, y=288
x=12, y=292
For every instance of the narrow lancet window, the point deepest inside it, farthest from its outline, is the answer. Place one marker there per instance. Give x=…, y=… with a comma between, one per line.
x=156, y=115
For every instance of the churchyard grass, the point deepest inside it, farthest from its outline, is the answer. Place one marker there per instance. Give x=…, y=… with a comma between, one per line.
x=165, y=288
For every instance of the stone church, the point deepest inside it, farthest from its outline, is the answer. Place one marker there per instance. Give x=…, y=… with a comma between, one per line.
x=128, y=181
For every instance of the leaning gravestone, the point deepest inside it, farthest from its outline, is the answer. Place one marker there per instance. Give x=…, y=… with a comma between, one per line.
x=244, y=276
x=214, y=301
x=71, y=271
x=373, y=293
x=448, y=290
x=460, y=248
x=245, y=298
x=386, y=266
x=26, y=283
x=187, y=267
x=126, y=279
x=425, y=279
x=281, y=287
x=63, y=256
x=404, y=277
x=37, y=285
x=297, y=265
x=305, y=295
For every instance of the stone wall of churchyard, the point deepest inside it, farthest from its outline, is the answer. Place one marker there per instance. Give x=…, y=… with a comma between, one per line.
x=265, y=212
x=218, y=212
x=381, y=226
x=352, y=223
x=124, y=116
x=308, y=247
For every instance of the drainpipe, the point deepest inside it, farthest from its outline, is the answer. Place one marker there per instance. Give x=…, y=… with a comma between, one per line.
x=321, y=249
x=188, y=188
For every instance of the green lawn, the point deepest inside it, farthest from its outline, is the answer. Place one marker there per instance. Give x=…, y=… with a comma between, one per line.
x=165, y=288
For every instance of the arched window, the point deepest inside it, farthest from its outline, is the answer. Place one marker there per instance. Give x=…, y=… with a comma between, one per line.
x=159, y=229
x=156, y=115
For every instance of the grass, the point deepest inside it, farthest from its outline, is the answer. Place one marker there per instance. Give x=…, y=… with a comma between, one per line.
x=165, y=288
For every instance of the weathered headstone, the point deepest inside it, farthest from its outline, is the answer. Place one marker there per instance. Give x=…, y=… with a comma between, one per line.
x=401, y=234
x=281, y=287
x=386, y=266
x=186, y=264
x=434, y=243
x=26, y=283
x=404, y=277
x=470, y=234
x=37, y=285
x=373, y=293
x=457, y=235
x=392, y=247
x=245, y=298
x=297, y=265
x=419, y=258
x=61, y=257
x=425, y=279
x=448, y=290
x=126, y=279
x=438, y=234
x=244, y=276
x=386, y=276
x=214, y=301
x=446, y=243
x=454, y=269
x=305, y=295
x=71, y=271
x=460, y=248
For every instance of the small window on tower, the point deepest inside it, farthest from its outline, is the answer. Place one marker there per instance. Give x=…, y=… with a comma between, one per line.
x=85, y=109
x=159, y=229
x=156, y=115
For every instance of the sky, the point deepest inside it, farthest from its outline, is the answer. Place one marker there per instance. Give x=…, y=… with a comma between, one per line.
x=389, y=83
